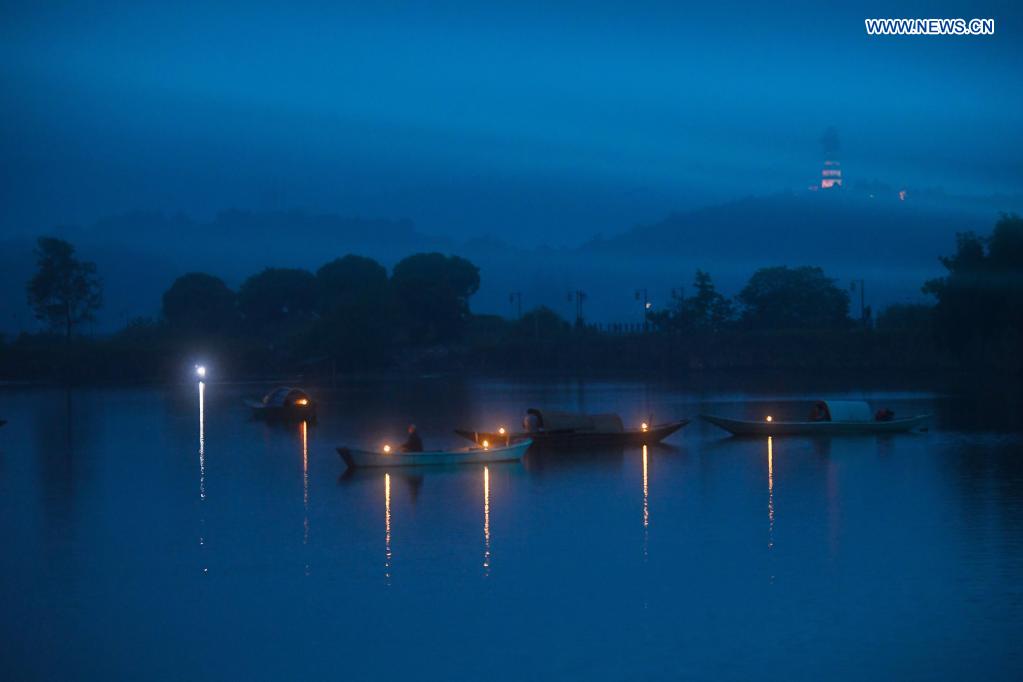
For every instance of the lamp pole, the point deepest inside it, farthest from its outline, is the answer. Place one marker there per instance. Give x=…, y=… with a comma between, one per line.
x=860, y=283
x=578, y=296
x=644, y=300
x=516, y=298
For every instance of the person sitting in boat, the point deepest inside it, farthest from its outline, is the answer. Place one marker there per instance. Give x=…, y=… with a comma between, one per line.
x=884, y=415
x=531, y=422
x=820, y=412
x=413, y=443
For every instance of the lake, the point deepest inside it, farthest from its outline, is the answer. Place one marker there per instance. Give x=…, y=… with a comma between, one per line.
x=154, y=533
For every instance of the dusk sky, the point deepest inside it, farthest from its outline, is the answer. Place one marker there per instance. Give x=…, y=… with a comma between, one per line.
x=545, y=121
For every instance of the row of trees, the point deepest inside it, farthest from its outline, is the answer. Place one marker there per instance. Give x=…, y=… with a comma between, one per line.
x=350, y=309
x=427, y=298
x=980, y=300
x=774, y=298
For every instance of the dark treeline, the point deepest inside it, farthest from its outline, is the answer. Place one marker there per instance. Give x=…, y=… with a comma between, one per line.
x=352, y=315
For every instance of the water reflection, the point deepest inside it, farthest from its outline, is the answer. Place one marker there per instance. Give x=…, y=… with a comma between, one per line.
x=646, y=491
x=646, y=504
x=387, y=528
x=554, y=463
x=770, y=492
x=202, y=467
x=304, y=428
x=486, y=520
x=60, y=479
x=202, y=440
x=945, y=573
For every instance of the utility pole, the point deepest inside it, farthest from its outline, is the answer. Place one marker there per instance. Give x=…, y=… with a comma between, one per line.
x=644, y=298
x=861, y=285
x=516, y=298
x=578, y=296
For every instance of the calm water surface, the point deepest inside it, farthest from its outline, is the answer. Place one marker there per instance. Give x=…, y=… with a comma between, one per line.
x=159, y=533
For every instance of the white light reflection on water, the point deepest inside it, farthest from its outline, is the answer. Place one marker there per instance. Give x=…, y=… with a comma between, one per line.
x=202, y=465
x=202, y=440
x=387, y=528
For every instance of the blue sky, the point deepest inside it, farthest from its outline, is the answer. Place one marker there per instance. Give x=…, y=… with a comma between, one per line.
x=549, y=121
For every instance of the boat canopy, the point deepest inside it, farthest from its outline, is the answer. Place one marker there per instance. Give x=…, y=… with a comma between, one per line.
x=552, y=420
x=849, y=411
x=282, y=396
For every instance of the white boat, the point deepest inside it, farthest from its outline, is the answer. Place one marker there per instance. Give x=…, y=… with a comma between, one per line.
x=355, y=457
x=838, y=418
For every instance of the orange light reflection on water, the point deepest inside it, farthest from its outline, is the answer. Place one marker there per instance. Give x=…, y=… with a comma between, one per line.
x=486, y=520
x=305, y=481
x=770, y=492
x=646, y=503
x=646, y=490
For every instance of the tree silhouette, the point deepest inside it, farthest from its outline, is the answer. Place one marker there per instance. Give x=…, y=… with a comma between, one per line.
x=981, y=298
x=356, y=313
x=541, y=323
x=351, y=279
x=706, y=311
x=793, y=298
x=64, y=291
x=276, y=297
x=432, y=292
x=199, y=303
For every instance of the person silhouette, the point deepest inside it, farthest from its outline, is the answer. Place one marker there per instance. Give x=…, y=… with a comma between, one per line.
x=413, y=443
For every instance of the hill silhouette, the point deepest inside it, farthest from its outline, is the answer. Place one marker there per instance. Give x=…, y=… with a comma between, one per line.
x=893, y=245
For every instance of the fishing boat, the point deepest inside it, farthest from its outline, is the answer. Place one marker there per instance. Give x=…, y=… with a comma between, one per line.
x=386, y=457
x=831, y=418
x=566, y=430
x=284, y=404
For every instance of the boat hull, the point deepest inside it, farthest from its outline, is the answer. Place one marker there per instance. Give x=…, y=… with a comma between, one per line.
x=580, y=439
x=740, y=427
x=354, y=457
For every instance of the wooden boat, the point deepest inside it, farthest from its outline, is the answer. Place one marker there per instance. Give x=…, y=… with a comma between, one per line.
x=284, y=404
x=354, y=457
x=562, y=430
x=836, y=418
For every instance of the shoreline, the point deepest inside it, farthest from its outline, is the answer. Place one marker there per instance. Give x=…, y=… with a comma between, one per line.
x=734, y=378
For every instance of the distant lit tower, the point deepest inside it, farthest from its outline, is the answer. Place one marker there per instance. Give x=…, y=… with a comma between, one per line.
x=831, y=174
